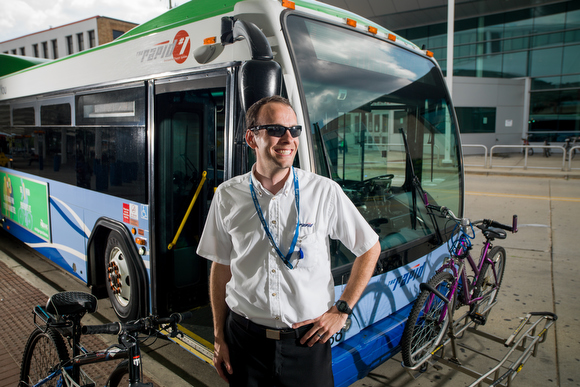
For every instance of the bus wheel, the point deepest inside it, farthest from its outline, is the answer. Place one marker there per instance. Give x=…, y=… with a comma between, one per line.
x=120, y=275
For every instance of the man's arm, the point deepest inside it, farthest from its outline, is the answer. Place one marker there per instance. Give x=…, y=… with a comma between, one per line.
x=332, y=321
x=219, y=277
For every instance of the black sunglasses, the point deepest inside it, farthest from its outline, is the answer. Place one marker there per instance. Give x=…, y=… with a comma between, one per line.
x=279, y=130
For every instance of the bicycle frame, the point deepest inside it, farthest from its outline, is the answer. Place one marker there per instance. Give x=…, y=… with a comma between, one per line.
x=71, y=370
x=456, y=265
x=452, y=287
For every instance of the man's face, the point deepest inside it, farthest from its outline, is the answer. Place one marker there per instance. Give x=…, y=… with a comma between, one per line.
x=274, y=153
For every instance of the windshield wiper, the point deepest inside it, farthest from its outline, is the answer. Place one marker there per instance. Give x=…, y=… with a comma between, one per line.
x=411, y=177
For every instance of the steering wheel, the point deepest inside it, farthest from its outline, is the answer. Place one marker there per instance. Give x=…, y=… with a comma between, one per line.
x=388, y=176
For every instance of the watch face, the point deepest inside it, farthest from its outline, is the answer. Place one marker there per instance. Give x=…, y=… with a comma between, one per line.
x=342, y=306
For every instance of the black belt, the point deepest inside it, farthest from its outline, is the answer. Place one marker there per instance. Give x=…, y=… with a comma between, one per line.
x=270, y=333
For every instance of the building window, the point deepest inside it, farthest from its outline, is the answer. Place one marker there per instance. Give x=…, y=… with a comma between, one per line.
x=35, y=49
x=92, y=42
x=80, y=42
x=476, y=119
x=116, y=34
x=69, y=45
x=14, y=52
x=54, y=48
x=23, y=51
x=45, y=50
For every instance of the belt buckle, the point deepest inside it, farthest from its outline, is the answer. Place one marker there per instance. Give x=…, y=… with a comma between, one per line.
x=273, y=334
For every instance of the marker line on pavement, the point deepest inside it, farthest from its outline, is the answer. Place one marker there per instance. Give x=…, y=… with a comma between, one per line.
x=517, y=196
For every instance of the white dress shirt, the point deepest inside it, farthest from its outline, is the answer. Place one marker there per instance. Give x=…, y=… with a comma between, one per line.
x=262, y=287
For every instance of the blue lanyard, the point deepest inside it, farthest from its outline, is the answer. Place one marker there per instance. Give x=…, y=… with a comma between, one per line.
x=286, y=258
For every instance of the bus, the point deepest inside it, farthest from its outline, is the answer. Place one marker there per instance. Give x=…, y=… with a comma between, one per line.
x=116, y=152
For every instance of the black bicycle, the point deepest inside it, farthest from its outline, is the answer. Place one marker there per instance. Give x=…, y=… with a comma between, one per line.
x=46, y=360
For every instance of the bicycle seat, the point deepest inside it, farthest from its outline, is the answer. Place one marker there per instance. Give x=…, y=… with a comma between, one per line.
x=71, y=303
x=494, y=233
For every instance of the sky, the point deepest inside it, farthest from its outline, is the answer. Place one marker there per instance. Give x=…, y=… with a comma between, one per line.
x=23, y=17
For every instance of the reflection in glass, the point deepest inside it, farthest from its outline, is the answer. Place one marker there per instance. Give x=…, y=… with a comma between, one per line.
x=358, y=100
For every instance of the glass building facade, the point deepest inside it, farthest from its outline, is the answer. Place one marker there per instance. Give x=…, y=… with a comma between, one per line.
x=542, y=43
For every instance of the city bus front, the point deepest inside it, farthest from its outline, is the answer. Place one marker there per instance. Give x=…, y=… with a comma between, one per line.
x=364, y=96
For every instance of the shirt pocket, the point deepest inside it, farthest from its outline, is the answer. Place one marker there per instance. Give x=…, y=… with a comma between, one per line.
x=311, y=247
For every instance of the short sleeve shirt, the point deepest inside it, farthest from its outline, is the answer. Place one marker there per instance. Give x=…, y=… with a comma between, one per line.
x=262, y=287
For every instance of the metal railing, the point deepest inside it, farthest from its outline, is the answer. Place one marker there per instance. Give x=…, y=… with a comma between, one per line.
x=570, y=152
x=477, y=146
x=566, y=155
x=525, y=166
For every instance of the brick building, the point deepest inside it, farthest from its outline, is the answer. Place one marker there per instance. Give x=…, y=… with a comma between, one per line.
x=68, y=39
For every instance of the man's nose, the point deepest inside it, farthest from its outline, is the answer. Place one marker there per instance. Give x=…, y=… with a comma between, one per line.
x=287, y=136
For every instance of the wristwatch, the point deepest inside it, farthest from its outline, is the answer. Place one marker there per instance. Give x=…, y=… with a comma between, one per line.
x=343, y=307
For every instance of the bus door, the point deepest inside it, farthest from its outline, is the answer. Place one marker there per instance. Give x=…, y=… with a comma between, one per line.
x=188, y=141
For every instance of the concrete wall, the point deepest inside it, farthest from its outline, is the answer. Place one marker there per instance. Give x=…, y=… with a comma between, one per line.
x=508, y=96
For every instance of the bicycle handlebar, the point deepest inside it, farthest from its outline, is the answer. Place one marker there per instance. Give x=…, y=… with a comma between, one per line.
x=513, y=228
x=141, y=325
x=447, y=213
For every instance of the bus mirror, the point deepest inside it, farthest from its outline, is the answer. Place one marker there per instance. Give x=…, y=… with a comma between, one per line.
x=208, y=53
x=234, y=30
x=259, y=79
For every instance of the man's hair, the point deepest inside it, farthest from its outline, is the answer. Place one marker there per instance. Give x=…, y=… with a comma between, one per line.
x=254, y=110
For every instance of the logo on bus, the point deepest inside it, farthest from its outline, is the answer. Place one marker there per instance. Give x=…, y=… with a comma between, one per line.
x=416, y=272
x=178, y=49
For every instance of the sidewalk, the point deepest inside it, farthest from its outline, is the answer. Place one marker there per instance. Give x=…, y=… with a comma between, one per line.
x=514, y=164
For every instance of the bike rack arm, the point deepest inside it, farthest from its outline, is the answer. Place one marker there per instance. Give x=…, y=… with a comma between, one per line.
x=426, y=286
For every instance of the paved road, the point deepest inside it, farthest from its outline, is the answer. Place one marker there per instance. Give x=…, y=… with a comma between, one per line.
x=541, y=272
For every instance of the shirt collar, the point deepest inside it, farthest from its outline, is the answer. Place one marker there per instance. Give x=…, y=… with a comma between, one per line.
x=261, y=191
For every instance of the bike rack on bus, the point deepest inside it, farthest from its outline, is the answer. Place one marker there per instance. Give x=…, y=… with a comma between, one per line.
x=521, y=344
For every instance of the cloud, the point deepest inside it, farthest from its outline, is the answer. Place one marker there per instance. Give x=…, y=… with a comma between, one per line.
x=23, y=17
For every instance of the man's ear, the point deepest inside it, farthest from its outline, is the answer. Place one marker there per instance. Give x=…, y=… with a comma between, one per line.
x=251, y=139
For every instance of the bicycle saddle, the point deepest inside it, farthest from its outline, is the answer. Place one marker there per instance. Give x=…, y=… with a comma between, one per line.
x=493, y=233
x=71, y=303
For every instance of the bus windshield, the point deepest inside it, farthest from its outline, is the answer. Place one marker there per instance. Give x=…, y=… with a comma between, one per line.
x=361, y=94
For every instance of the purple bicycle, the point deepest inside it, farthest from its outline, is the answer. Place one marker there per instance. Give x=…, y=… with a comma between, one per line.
x=452, y=287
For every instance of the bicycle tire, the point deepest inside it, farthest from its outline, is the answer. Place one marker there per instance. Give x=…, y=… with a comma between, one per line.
x=423, y=332
x=120, y=375
x=44, y=351
x=486, y=284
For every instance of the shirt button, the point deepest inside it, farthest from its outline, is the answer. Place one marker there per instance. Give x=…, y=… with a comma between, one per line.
x=273, y=294
x=273, y=270
x=273, y=222
x=277, y=318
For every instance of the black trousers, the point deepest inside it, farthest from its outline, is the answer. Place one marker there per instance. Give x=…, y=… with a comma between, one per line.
x=258, y=361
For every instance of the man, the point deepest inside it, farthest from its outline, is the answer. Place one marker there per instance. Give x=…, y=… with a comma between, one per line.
x=271, y=286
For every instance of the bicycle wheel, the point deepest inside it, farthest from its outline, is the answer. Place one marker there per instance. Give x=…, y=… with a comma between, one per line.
x=487, y=286
x=43, y=353
x=427, y=324
x=120, y=375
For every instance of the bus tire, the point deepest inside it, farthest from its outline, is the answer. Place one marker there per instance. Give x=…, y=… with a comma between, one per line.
x=121, y=278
